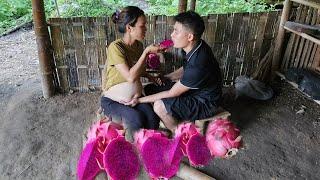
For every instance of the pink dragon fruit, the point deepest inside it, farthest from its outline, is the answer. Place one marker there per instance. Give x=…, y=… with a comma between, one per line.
x=141, y=136
x=160, y=155
x=166, y=43
x=193, y=144
x=107, y=130
x=99, y=136
x=184, y=131
x=153, y=61
x=197, y=150
x=121, y=160
x=89, y=164
x=223, y=138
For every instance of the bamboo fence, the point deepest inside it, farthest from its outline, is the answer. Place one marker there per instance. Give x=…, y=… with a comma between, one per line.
x=238, y=40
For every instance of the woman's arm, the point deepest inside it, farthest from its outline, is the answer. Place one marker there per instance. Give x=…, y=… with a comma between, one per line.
x=133, y=73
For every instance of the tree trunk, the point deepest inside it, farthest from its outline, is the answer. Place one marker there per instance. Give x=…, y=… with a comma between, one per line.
x=182, y=6
x=193, y=5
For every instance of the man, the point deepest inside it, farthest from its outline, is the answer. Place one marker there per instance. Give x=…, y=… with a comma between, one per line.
x=197, y=92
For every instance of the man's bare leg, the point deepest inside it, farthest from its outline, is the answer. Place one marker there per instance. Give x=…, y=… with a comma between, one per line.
x=166, y=118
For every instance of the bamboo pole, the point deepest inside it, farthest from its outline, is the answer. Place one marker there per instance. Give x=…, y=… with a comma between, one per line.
x=280, y=38
x=189, y=173
x=182, y=6
x=193, y=5
x=44, y=46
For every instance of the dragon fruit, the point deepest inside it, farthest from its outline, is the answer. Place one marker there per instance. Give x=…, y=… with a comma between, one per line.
x=99, y=136
x=197, y=150
x=223, y=138
x=141, y=136
x=160, y=155
x=153, y=60
x=193, y=144
x=89, y=164
x=184, y=131
x=166, y=43
x=121, y=160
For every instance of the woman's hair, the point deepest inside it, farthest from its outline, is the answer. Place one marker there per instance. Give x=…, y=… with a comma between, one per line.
x=128, y=15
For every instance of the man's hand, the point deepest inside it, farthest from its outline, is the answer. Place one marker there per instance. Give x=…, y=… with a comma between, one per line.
x=159, y=81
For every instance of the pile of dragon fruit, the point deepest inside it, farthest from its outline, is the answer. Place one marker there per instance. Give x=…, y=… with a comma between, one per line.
x=153, y=60
x=107, y=150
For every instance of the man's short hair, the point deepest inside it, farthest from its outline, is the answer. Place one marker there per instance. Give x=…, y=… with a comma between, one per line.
x=192, y=21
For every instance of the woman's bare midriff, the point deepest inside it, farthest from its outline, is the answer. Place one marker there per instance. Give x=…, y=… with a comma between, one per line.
x=124, y=92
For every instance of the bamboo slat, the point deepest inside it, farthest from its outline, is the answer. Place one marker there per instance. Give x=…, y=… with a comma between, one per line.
x=299, y=46
x=293, y=40
x=233, y=44
x=316, y=63
x=248, y=55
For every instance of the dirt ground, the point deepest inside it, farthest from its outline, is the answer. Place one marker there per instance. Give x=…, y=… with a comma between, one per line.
x=42, y=138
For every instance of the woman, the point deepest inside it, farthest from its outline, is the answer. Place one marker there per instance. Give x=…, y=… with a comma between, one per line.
x=125, y=65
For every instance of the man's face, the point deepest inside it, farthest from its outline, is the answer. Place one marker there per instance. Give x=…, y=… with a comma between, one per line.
x=138, y=31
x=180, y=36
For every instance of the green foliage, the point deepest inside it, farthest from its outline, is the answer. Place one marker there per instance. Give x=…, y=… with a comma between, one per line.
x=16, y=12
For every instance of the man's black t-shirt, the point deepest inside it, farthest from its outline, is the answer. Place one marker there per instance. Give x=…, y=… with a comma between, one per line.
x=202, y=74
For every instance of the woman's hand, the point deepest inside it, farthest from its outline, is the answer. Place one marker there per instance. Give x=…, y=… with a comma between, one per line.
x=133, y=102
x=153, y=49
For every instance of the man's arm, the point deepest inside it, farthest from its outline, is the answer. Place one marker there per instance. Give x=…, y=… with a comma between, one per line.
x=175, y=75
x=175, y=91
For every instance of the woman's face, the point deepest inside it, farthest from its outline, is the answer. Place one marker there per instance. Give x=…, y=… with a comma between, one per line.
x=138, y=31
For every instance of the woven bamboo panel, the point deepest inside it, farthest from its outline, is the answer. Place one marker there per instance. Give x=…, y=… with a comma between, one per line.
x=238, y=40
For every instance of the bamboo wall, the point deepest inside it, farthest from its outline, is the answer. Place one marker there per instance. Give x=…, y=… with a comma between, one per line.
x=238, y=40
x=300, y=52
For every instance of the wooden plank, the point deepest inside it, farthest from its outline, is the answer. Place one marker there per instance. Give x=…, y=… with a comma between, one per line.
x=303, y=28
x=308, y=3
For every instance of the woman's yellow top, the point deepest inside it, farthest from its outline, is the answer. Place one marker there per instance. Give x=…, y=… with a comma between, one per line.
x=119, y=53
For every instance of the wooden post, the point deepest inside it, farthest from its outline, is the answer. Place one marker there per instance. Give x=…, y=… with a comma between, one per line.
x=193, y=5
x=280, y=38
x=44, y=48
x=182, y=6
x=187, y=172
